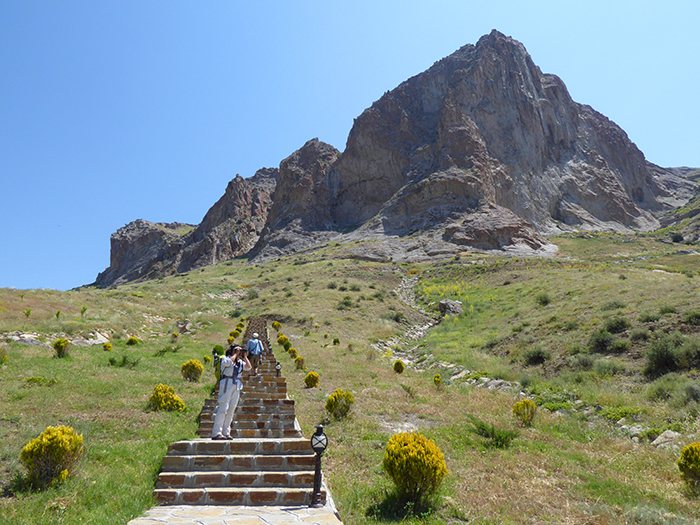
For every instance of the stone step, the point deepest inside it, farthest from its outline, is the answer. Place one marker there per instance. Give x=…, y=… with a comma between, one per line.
x=205, y=432
x=221, y=478
x=200, y=447
x=270, y=416
x=238, y=463
x=269, y=425
x=236, y=496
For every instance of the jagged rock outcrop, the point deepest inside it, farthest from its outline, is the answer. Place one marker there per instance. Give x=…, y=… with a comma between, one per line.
x=231, y=227
x=485, y=125
x=300, y=215
x=481, y=151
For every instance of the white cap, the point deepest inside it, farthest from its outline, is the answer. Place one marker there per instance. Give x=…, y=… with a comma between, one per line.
x=255, y=335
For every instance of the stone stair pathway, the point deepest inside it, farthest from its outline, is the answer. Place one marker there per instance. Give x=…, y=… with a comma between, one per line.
x=269, y=462
x=266, y=470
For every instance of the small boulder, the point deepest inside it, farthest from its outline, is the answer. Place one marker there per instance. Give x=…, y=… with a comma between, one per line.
x=447, y=306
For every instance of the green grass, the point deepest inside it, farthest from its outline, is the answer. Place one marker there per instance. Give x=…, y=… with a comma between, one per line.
x=565, y=468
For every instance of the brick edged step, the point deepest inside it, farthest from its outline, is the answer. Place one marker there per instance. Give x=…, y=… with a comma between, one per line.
x=235, y=496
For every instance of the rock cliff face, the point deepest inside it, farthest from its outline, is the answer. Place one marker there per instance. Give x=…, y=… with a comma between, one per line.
x=231, y=227
x=481, y=151
x=486, y=126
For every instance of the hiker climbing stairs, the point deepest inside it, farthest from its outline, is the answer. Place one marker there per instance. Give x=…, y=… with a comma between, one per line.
x=268, y=461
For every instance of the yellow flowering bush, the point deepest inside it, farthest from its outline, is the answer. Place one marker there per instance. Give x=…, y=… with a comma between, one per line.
x=524, y=411
x=415, y=464
x=339, y=403
x=61, y=347
x=689, y=465
x=311, y=380
x=107, y=347
x=192, y=370
x=299, y=363
x=51, y=456
x=165, y=398
x=399, y=367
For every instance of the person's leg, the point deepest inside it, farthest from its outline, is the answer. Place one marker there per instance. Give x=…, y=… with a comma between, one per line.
x=230, y=411
x=226, y=389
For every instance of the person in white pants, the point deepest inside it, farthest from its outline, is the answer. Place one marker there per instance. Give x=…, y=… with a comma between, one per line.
x=230, y=386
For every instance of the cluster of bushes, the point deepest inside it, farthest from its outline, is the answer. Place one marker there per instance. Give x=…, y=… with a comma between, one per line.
x=672, y=353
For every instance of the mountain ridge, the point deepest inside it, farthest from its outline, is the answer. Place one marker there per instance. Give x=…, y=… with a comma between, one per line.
x=482, y=151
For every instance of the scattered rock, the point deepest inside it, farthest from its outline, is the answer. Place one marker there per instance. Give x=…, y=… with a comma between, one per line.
x=448, y=306
x=668, y=440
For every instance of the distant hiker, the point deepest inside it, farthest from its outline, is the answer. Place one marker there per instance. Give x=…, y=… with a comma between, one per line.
x=230, y=386
x=255, y=349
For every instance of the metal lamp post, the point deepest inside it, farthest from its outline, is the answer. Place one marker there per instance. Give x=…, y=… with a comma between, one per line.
x=278, y=367
x=319, y=442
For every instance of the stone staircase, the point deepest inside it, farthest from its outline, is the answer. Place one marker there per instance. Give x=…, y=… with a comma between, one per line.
x=268, y=461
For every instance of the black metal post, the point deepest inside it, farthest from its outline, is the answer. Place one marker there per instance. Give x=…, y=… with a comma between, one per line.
x=278, y=367
x=316, y=496
x=319, y=442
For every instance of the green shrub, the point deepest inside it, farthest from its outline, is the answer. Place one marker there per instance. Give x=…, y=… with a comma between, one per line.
x=639, y=334
x=192, y=370
x=165, y=398
x=543, y=299
x=616, y=325
x=536, y=356
x=608, y=367
x=612, y=305
x=618, y=346
x=311, y=380
x=50, y=457
x=692, y=318
x=339, y=403
x=287, y=345
x=649, y=318
x=345, y=303
x=107, y=347
x=61, y=347
x=299, y=363
x=132, y=341
x=664, y=388
x=690, y=353
x=524, y=411
x=126, y=362
x=663, y=356
x=495, y=437
x=416, y=466
x=689, y=465
x=600, y=341
x=582, y=361
x=399, y=367
x=219, y=350
x=336, y=341
x=617, y=413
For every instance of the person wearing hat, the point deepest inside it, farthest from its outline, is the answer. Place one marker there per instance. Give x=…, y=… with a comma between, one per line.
x=230, y=385
x=255, y=349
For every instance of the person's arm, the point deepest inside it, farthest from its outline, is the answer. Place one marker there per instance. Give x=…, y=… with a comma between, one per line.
x=246, y=362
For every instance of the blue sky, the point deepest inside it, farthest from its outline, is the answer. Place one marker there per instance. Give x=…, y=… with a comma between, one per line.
x=116, y=111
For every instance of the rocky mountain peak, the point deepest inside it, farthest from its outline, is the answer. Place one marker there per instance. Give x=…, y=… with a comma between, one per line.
x=480, y=151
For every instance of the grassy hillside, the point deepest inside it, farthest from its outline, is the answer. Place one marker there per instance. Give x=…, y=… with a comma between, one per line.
x=531, y=321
